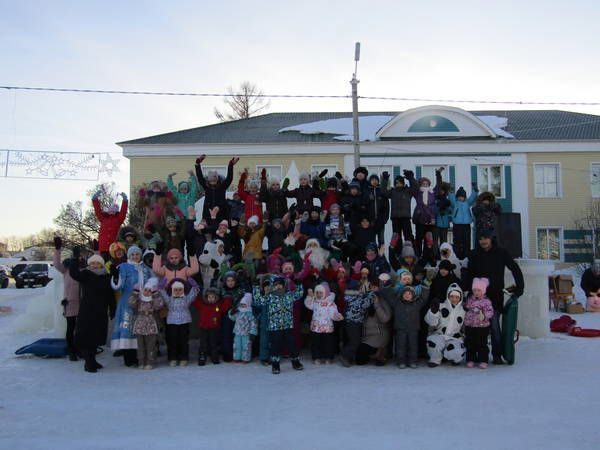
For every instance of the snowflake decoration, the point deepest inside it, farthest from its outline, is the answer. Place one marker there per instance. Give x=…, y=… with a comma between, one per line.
x=108, y=165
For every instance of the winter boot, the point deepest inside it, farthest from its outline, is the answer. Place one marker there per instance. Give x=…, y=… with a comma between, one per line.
x=432, y=364
x=275, y=369
x=498, y=360
x=73, y=356
x=202, y=359
x=296, y=364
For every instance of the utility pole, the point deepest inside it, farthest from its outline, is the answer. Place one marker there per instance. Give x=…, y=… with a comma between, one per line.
x=354, y=82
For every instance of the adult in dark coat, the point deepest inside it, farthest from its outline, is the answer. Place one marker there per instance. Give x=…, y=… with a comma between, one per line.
x=353, y=204
x=378, y=205
x=96, y=305
x=215, y=188
x=273, y=197
x=489, y=261
x=590, y=280
x=304, y=193
x=401, y=197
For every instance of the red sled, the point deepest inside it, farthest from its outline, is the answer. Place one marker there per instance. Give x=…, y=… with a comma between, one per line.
x=584, y=332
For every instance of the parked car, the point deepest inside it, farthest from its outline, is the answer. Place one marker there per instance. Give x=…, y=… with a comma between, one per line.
x=3, y=278
x=17, y=268
x=33, y=275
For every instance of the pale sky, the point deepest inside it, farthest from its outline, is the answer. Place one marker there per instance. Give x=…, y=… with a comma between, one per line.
x=509, y=50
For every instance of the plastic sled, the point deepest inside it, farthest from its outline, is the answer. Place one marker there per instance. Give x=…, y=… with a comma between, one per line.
x=48, y=348
x=584, y=332
x=510, y=334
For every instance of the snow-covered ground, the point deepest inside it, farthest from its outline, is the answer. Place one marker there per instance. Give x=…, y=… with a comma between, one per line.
x=548, y=400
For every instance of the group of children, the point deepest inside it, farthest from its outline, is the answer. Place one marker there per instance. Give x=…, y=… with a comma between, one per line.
x=260, y=281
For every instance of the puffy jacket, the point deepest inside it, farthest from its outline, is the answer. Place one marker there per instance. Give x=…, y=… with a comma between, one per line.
x=407, y=315
x=109, y=223
x=401, y=199
x=214, y=195
x=184, y=200
x=252, y=202
x=461, y=211
x=378, y=207
x=376, y=330
x=275, y=201
x=324, y=313
x=279, y=307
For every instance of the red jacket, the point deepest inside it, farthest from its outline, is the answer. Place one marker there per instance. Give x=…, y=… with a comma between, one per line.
x=109, y=224
x=253, y=206
x=211, y=313
x=330, y=197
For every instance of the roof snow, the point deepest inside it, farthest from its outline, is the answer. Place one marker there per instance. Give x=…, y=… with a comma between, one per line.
x=368, y=126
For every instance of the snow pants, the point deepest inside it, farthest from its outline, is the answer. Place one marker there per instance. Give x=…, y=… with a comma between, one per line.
x=177, y=342
x=407, y=346
x=242, y=348
x=403, y=226
x=264, y=353
x=146, y=349
x=322, y=345
x=461, y=239
x=278, y=339
x=476, y=340
x=439, y=347
x=354, y=335
x=209, y=343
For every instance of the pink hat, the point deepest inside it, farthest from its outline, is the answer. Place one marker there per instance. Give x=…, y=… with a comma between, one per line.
x=480, y=283
x=174, y=252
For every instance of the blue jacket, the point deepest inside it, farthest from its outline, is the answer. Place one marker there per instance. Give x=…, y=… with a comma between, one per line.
x=461, y=211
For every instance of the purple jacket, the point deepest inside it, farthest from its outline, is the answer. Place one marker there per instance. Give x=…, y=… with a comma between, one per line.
x=479, y=312
x=424, y=214
x=71, y=287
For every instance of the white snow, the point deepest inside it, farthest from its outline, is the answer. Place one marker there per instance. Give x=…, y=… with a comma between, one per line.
x=368, y=126
x=548, y=400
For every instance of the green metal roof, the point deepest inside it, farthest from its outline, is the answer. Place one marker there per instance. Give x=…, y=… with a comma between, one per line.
x=525, y=125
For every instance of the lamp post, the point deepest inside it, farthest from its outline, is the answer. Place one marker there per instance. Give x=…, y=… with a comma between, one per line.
x=354, y=82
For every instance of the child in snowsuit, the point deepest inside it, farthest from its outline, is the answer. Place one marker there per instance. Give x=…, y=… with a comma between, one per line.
x=110, y=221
x=406, y=308
x=186, y=192
x=250, y=197
x=446, y=321
x=477, y=324
x=245, y=327
x=322, y=304
x=279, y=305
x=462, y=217
x=178, y=320
x=357, y=304
x=211, y=309
x=145, y=305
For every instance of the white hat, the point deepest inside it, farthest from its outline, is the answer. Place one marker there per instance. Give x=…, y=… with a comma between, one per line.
x=95, y=258
x=253, y=219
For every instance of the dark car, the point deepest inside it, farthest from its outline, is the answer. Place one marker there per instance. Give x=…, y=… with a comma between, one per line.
x=3, y=279
x=32, y=275
x=17, y=268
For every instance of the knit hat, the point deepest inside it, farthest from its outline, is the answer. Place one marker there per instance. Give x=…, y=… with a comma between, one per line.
x=324, y=287
x=409, y=289
x=373, y=176
x=332, y=182
x=278, y=280
x=399, y=179
x=407, y=250
x=174, y=252
x=213, y=291
x=480, y=283
x=134, y=249
x=212, y=175
x=246, y=300
x=371, y=246
x=304, y=176
x=384, y=277
x=362, y=170
x=253, y=219
x=95, y=258
x=177, y=285
x=354, y=184
x=485, y=233
x=151, y=284
x=461, y=192
x=447, y=265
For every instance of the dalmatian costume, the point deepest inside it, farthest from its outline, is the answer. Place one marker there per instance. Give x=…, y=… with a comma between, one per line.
x=446, y=340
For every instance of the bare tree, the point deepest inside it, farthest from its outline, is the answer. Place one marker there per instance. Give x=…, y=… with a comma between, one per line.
x=243, y=104
x=589, y=219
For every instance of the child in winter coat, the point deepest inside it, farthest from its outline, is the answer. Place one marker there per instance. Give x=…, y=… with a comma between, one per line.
x=178, y=320
x=446, y=321
x=322, y=303
x=110, y=221
x=443, y=279
x=312, y=227
x=406, y=307
x=462, y=219
x=304, y=193
x=273, y=196
x=279, y=305
x=401, y=198
x=145, y=305
x=211, y=309
x=486, y=212
x=234, y=292
x=374, y=261
x=175, y=266
x=245, y=327
x=186, y=192
x=357, y=304
x=253, y=234
x=215, y=188
x=477, y=324
x=250, y=197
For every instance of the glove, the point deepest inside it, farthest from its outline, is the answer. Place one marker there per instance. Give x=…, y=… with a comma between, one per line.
x=408, y=174
x=323, y=172
x=395, y=239
x=76, y=252
x=124, y=195
x=95, y=245
x=199, y=159
x=435, y=305
x=385, y=175
x=263, y=174
x=233, y=161
x=96, y=195
x=57, y=243
x=286, y=183
x=244, y=175
x=474, y=186
x=338, y=175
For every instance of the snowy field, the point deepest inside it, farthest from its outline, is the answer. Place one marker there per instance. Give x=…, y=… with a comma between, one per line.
x=549, y=400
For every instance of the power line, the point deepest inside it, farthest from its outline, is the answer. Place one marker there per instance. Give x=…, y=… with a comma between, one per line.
x=367, y=97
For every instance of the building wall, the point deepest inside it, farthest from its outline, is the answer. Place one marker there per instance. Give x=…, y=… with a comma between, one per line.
x=575, y=196
x=145, y=169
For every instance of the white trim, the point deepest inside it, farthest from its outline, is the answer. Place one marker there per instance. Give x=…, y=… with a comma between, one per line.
x=593, y=163
x=560, y=238
x=558, y=180
x=259, y=167
x=312, y=168
x=502, y=177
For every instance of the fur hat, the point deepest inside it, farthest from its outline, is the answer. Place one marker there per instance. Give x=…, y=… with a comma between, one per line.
x=461, y=192
x=212, y=175
x=362, y=170
x=486, y=196
x=407, y=250
x=212, y=290
x=481, y=284
x=95, y=258
x=423, y=180
x=446, y=265
x=409, y=289
x=253, y=219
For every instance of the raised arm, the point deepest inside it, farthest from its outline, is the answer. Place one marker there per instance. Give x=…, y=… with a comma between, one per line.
x=157, y=267
x=199, y=174
x=124, y=205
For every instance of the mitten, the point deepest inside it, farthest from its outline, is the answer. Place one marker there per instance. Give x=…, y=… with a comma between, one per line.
x=385, y=175
x=323, y=173
x=474, y=186
x=435, y=305
x=338, y=175
x=286, y=183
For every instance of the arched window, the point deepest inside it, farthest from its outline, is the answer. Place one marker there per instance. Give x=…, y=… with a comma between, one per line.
x=433, y=123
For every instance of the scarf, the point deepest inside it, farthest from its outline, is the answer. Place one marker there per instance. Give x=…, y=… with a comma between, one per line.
x=99, y=271
x=425, y=194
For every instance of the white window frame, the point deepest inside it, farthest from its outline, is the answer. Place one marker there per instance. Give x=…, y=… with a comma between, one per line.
x=560, y=238
x=502, y=179
x=434, y=167
x=259, y=168
x=558, y=166
x=317, y=168
x=592, y=164
x=380, y=170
